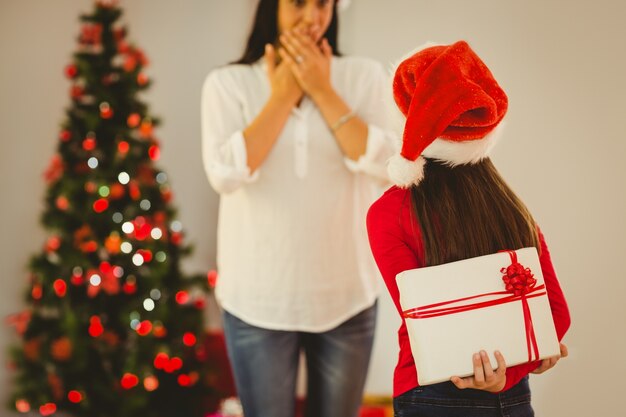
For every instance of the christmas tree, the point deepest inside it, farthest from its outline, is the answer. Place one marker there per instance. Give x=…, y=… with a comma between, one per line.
x=112, y=326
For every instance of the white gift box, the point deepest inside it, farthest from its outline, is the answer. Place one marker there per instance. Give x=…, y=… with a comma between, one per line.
x=457, y=309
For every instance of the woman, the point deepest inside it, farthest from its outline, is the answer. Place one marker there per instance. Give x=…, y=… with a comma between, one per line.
x=295, y=143
x=449, y=204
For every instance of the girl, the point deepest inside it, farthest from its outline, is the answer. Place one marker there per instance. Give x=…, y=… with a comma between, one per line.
x=449, y=204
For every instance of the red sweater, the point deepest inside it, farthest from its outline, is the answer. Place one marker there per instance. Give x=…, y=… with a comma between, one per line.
x=397, y=246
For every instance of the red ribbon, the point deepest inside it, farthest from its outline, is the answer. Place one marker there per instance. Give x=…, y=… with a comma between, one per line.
x=530, y=291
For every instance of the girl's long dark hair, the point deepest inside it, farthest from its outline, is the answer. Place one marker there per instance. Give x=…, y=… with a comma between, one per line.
x=265, y=30
x=468, y=211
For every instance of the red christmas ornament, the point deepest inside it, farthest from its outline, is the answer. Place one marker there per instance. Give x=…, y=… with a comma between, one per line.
x=71, y=71
x=159, y=331
x=61, y=349
x=199, y=303
x=106, y=112
x=161, y=360
x=166, y=193
x=134, y=191
x=119, y=33
x=100, y=205
x=129, y=381
x=184, y=380
x=116, y=191
x=22, y=406
x=173, y=365
x=151, y=383
x=47, y=409
x=142, y=228
x=60, y=287
x=159, y=217
x=91, y=187
x=65, y=135
x=144, y=328
x=89, y=246
x=55, y=169
x=129, y=288
x=62, y=203
x=133, y=120
x=95, y=326
x=146, y=254
x=123, y=147
x=145, y=130
x=212, y=278
x=91, y=33
x=52, y=244
x=113, y=243
x=19, y=321
x=176, y=238
x=154, y=152
x=182, y=297
x=77, y=279
x=76, y=91
x=74, y=396
x=89, y=144
x=189, y=339
x=141, y=57
x=142, y=79
x=36, y=292
x=123, y=47
x=130, y=63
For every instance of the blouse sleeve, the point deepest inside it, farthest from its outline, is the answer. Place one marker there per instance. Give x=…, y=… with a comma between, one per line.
x=381, y=140
x=558, y=306
x=223, y=146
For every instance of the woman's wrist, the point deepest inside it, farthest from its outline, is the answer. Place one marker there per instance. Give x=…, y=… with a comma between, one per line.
x=322, y=95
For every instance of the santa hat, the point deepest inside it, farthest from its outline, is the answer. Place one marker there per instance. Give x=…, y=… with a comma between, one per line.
x=452, y=105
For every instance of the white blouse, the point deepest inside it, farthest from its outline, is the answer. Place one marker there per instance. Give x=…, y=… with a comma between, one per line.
x=292, y=247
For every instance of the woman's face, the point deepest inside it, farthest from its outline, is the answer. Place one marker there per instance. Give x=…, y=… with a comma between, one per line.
x=313, y=16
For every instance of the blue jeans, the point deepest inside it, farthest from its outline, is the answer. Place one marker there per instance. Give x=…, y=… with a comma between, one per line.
x=265, y=365
x=446, y=400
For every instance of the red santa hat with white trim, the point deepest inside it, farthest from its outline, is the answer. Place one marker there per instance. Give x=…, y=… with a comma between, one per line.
x=452, y=105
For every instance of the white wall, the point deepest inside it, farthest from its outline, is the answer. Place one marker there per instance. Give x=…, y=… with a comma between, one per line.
x=561, y=62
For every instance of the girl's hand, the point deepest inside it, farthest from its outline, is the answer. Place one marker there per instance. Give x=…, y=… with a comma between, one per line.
x=484, y=377
x=309, y=62
x=282, y=81
x=550, y=362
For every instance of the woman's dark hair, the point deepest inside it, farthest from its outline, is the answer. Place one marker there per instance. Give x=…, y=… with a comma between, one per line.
x=265, y=30
x=468, y=211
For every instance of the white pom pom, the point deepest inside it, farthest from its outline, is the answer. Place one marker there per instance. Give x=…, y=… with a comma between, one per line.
x=405, y=173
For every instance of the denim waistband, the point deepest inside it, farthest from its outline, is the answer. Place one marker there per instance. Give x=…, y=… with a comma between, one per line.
x=446, y=393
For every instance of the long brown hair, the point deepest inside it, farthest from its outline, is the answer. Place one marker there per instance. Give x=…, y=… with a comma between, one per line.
x=265, y=30
x=468, y=211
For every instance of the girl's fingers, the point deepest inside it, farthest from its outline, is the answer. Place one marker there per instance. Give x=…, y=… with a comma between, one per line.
x=487, y=369
x=461, y=383
x=500, y=361
x=479, y=375
x=564, y=351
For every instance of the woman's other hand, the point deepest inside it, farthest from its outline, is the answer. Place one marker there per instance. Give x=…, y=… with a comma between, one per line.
x=484, y=378
x=309, y=62
x=549, y=363
x=282, y=80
